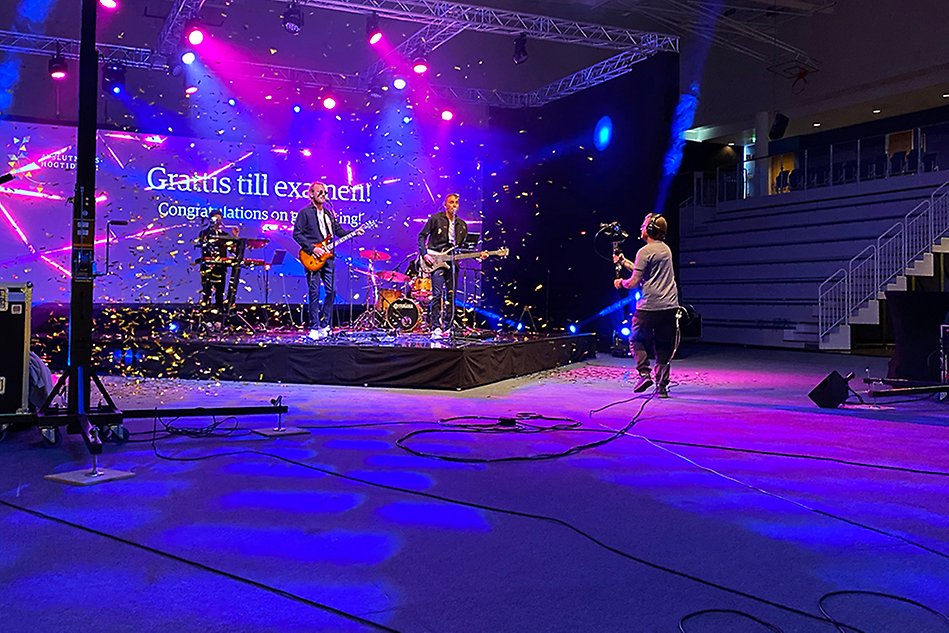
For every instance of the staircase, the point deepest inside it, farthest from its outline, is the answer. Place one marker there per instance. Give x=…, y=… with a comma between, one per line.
x=852, y=295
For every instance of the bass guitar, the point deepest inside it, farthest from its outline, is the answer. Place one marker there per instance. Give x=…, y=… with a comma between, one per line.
x=314, y=262
x=443, y=258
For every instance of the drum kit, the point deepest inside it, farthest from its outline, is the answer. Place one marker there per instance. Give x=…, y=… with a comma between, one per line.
x=399, y=306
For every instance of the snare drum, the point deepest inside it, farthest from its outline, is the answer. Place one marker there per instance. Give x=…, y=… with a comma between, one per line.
x=422, y=288
x=387, y=296
x=404, y=314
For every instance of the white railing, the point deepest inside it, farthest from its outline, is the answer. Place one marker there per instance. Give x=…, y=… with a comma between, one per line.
x=832, y=303
x=863, y=276
x=869, y=273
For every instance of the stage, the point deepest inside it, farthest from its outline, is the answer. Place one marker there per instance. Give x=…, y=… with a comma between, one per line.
x=366, y=359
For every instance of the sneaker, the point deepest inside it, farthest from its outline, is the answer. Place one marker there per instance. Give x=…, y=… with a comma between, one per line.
x=316, y=334
x=645, y=382
x=663, y=392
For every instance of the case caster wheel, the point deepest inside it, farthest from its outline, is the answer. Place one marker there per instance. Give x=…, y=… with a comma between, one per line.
x=51, y=436
x=118, y=434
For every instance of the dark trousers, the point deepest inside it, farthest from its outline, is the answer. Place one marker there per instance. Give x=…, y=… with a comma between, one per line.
x=213, y=280
x=321, y=311
x=653, y=331
x=442, y=308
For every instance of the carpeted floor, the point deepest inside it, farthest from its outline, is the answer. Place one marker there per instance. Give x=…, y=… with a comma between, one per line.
x=736, y=493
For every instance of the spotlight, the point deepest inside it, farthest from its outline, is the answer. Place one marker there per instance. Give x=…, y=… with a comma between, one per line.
x=113, y=78
x=190, y=90
x=625, y=331
x=329, y=103
x=520, y=326
x=573, y=328
x=373, y=32
x=398, y=83
x=293, y=18
x=297, y=109
x=194, y=33
x=406, y=119
x=447, y=115
x=420, y=65
x=111, y=5
x=232, y=102
x=188, y=57
x=520, y=48
x=58, y=68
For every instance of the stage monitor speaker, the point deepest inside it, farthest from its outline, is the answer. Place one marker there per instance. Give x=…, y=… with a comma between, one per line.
x=778, y=127
x=831, y=392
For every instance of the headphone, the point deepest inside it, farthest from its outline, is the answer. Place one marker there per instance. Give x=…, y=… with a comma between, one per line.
x=652, y=227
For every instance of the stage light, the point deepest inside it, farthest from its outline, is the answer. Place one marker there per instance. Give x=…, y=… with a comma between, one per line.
x=406, y=119
x=520, y=49
x=188, y=57
x=399, y=84
x=520, y=326
x=603, y=133
x=172, y=327
x=232, y=102
x=329, y=103
x=113, y=78
x=58, y=68
x=373, y=32
x=297, y=109
x=111, y=5
x=572, y=328
x=447, y=115
x=306, y=152
x=293, y=19
x=190, y=90
x=194, y=33
x=420, y=65
x=625, y=331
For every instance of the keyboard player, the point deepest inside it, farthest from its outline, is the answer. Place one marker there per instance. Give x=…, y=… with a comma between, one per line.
x=215, y=260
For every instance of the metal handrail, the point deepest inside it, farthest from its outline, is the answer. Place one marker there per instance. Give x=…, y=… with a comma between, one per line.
x=829, y=312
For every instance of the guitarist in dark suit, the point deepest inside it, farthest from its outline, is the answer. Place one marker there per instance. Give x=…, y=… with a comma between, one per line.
x=313, y=225
x=442, y=232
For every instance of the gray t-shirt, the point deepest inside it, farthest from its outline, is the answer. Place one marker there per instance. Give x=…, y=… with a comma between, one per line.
x=654, y=263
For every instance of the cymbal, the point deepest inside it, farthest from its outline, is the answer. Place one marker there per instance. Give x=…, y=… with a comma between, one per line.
x=375, y=256
x=393, y=276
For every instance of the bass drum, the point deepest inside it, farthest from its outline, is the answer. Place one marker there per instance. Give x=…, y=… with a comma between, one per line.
x=404, y=314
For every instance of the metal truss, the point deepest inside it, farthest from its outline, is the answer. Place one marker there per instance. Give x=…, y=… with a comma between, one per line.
x=169, y=38
x=488, y=20
x=587, y=78
x=30, y=44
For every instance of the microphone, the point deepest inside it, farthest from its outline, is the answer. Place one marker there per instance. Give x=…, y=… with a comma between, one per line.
x=7, y=177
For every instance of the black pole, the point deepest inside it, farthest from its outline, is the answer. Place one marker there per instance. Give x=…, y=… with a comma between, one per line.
x=84, y=218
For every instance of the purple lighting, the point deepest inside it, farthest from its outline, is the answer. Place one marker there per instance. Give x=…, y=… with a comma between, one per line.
x=188, y=58
x=111, y=5
x=398, y=83
x=447, y=115
x=329, y=103
x=195, y=35
x=420, y=67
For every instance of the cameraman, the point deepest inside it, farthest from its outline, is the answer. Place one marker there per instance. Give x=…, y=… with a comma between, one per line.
x=654, y=320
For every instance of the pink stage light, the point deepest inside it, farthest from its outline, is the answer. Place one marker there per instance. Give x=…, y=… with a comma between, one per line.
x=195, y=35
x=447, y=115
x=111, y=5
x=58, y=74
x=420, y=67
x=375, y=37
x=398, y=83
x=329, y=103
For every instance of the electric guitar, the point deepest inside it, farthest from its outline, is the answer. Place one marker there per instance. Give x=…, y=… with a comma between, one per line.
x=443, y=258
x=314, y=262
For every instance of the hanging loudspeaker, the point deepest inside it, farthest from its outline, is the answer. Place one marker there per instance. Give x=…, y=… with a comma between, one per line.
x=778, y=127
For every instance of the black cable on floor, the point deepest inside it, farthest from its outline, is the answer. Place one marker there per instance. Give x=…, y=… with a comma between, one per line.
x=846, y=628
x=741, y=614
x=193, y=563
x=514, y=425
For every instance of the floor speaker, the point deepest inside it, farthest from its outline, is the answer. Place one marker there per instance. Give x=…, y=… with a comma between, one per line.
x=831, y=392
